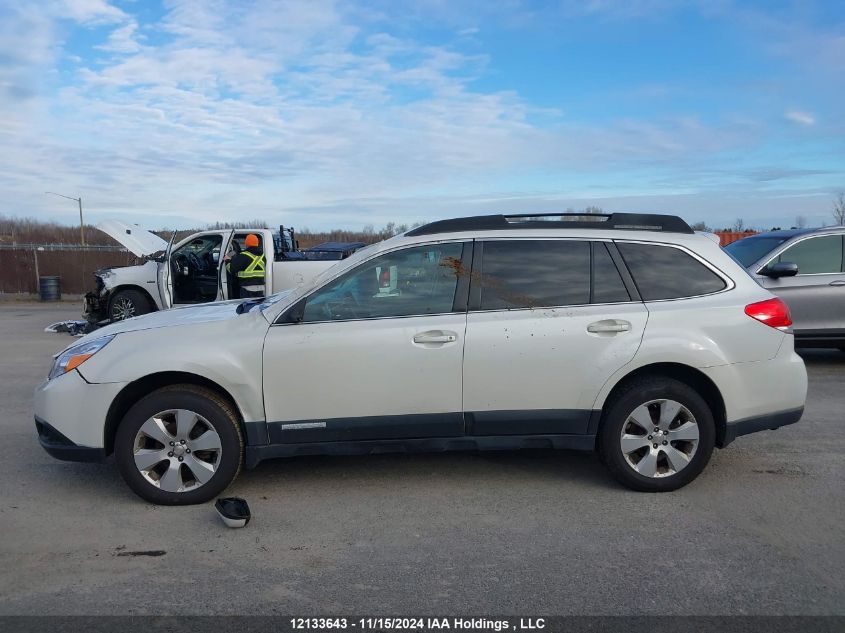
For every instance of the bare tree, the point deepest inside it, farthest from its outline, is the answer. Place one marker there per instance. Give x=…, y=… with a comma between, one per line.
x=701, y=226
x=800, y=221
x=739, y=225
x=592, y=209
x=839, y=208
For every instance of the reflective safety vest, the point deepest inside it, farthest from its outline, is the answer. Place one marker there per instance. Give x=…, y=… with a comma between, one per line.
x=255, y=270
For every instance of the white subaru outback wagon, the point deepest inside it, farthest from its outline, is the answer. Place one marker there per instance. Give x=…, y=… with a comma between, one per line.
x=626, y=334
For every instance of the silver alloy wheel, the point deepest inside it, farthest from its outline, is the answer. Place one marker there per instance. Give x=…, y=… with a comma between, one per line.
x=659, y=438
x=177, y=450
x=123, y=308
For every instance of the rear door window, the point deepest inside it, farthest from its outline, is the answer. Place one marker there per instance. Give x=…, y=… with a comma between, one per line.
x=664, y=272
x=815, y=255
x=534, y=274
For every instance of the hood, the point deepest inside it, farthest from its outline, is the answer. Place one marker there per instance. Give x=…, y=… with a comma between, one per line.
x=136, y=240
x=202, y=313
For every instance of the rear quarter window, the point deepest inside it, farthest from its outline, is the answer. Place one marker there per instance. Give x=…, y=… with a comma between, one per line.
x=664, y=272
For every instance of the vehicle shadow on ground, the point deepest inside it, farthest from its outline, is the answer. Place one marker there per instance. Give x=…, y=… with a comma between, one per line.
x=410, y=469
x=102, y=481
x=820, y=357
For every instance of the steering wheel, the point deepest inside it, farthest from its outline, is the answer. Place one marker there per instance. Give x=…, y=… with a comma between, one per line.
x=346, y=307
x=187, y=263
x=180, y=264
x=194, y=263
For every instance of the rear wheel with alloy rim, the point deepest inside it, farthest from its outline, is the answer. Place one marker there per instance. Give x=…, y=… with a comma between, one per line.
x=179, y=445
x=657, y=435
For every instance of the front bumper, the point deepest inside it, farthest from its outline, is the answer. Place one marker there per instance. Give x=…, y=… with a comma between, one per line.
x=96, y=307
x=71, y=414
x=60, y=447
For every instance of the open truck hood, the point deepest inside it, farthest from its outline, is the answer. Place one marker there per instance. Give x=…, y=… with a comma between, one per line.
x=136, y=240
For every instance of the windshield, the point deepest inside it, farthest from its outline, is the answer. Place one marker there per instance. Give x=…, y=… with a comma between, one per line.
x=749, y=250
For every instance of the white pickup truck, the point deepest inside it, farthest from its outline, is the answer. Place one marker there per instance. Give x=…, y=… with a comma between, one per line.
x=193, y=270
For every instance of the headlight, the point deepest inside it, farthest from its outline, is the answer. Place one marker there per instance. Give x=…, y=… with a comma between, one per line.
x=74, y=356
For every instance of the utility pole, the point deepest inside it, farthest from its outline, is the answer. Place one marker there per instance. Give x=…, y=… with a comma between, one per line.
x=81, y=236
x=81, y=223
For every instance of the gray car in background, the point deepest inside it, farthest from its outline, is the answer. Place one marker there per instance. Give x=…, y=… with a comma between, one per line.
x=805, y=268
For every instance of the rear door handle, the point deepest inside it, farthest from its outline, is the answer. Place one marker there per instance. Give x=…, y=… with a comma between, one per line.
x=838, y=282
x=436, y=337
x=609, y=326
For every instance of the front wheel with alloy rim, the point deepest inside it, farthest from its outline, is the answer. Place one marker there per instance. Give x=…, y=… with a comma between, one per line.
x=657, y=434
x=179, y=445
x=128, y=303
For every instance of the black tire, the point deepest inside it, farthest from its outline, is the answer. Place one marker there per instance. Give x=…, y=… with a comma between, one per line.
x=220, y=416
x=617, y=412
x=128, y=300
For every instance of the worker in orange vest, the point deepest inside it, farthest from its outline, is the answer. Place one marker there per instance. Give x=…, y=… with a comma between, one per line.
x=248, y=267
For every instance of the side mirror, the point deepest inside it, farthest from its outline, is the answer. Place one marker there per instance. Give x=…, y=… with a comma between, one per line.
x=293, y=314
x=781, y=269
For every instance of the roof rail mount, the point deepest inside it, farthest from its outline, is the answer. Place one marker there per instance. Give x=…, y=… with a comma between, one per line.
x=607, y=221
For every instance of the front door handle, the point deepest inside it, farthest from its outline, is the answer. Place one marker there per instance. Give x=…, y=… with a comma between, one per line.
x=609, y=326
x=436, y=337
x=838, y=282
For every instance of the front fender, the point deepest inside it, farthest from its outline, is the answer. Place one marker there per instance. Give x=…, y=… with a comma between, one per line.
x=228, y=353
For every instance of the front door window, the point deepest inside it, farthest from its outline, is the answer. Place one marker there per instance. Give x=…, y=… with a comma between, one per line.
x=410, y=282
x=815, y=255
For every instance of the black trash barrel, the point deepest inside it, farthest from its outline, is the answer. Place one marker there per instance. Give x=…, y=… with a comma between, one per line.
x=50, y=288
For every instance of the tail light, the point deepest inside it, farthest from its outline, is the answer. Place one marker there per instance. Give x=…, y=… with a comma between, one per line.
x=772, y=312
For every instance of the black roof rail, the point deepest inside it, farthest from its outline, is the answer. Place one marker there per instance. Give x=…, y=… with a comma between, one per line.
x=608, y=221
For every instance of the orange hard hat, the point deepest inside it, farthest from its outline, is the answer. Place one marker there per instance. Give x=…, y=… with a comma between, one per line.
x=251, y=240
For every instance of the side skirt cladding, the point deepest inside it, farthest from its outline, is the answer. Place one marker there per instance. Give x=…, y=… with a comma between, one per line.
x=435, y=432
x=256, y=454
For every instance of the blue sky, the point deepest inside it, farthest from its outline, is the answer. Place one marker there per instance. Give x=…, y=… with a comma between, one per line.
x=340, y=114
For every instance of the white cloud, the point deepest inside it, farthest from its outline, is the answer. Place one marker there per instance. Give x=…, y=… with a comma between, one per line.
x=123, y=39
x=226, y=109
x=90, y=11
x=799, y=117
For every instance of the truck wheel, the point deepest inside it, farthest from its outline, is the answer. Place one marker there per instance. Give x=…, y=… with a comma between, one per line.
x=179, y=445
x=657, y=435
x=128, y=303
